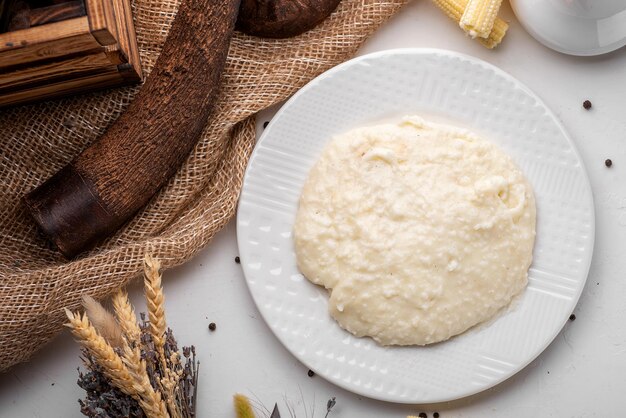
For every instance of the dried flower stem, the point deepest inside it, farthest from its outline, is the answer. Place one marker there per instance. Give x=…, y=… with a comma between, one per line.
x=243, y=407
x=126, y=317
x=329, y=405
x=103, y=321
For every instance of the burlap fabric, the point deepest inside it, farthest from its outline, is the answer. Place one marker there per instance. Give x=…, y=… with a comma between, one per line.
x=36, y=283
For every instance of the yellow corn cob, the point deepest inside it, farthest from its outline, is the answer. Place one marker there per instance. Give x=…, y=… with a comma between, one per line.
x=455, y=9
x=479, y=17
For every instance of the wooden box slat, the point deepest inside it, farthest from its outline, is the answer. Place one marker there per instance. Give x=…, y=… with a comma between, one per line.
x=79, y=85
x=126, y=32
x=55, y=71
x=43, y=42
x=102, y=21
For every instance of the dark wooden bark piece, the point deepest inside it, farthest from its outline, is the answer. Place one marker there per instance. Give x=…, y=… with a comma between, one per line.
x=117, y=175
x=282, y=18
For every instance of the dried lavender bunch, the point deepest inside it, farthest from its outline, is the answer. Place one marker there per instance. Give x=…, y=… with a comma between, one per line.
x=186, y=370
x=102, y=400
x=133, y=369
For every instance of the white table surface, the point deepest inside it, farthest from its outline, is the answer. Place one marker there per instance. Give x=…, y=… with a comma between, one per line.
x=581, y=374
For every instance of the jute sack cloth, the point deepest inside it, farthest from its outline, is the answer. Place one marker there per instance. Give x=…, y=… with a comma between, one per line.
x=36, y=283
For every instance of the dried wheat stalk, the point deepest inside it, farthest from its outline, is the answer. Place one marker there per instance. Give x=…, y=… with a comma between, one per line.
x=126, y=317
x=113, y=366
x=173, y=375
x=149, y=400
x=155, y=301
x=156, y=314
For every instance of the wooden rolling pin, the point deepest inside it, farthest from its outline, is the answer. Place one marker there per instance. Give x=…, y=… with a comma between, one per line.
x=90, y=198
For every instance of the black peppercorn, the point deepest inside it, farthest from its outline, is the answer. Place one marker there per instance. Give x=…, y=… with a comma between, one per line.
x=572, y=317
x=311, y=373
x=608, y=162
x=212, y=326
x=237, y=260
x=587, y=104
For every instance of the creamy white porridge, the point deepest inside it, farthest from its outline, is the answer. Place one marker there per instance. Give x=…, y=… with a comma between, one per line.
x=419, y=230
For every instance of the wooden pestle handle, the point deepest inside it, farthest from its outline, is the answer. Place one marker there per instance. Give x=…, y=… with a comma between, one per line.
x=112, y=179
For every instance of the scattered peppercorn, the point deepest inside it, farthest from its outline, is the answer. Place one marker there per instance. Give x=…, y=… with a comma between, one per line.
x=237, y=260
x=423, y=415
x=51, y=384
x=265, y=124
x=608, y=162
x=212, y=326
x=311, y=373
x=436, y=415
x=572, y=317
x=587, y=104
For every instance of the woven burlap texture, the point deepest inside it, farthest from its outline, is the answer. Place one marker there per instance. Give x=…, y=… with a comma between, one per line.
x=36, y=283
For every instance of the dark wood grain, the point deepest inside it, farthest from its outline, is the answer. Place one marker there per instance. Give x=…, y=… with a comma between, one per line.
x=43, y=43
x=56, y=12
x=122, y=170
x=52, y=72
x=100, y=79
x=282, y=18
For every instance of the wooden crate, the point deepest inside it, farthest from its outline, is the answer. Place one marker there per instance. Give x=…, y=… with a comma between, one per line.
x=77, y=50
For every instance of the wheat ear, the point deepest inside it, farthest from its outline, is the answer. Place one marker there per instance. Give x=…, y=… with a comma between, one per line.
x=126, y=317
x=170, y=397
x=103, y=321
x=169, y=383
x=156, y=309
x=155, y=301
x=149, y=400
x=156, y=314
x=112, y=365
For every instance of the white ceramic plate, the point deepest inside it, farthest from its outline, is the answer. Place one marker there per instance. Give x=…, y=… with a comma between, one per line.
x=439, y=84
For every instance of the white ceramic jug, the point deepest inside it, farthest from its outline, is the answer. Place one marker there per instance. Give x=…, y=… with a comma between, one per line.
x=576, y=27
